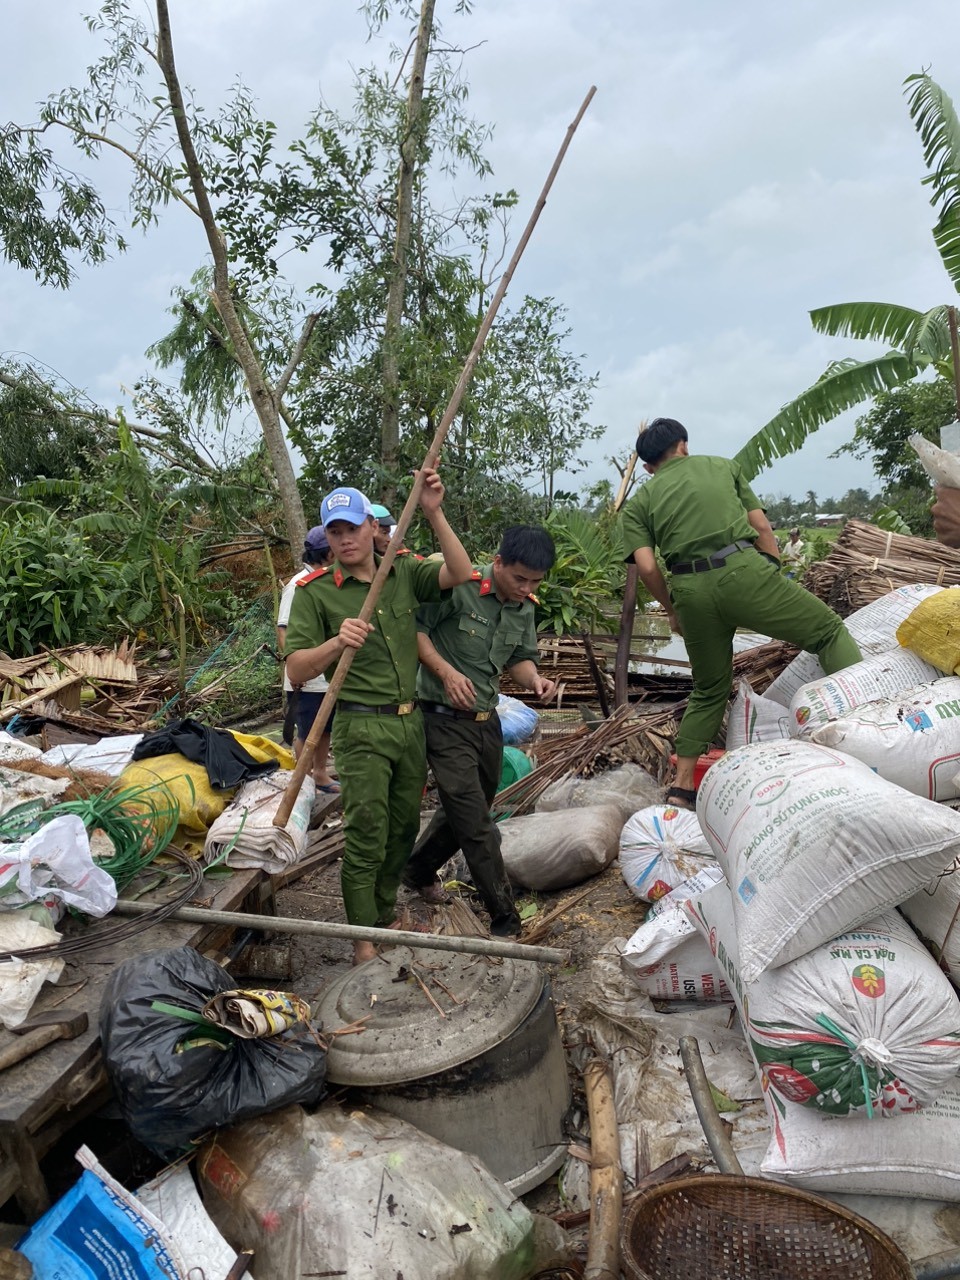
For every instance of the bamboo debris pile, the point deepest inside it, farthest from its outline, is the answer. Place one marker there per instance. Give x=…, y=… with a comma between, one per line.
x=866, y=562
x=638, y=732
x=50, y=686
x=564, y=659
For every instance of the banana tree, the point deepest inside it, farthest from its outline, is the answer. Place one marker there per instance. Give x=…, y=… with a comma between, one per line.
x=918, y=340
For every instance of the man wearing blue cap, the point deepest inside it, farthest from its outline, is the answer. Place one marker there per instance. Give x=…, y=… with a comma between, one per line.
x=378, y=737
x=304, y=703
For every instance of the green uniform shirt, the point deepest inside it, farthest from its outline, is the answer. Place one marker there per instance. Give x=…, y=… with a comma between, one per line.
x=384, y=670
x=478, y=634
x=691, y=507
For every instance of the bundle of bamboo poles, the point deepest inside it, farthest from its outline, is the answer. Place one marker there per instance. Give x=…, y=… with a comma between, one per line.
x=866, y=562
x=636, y=732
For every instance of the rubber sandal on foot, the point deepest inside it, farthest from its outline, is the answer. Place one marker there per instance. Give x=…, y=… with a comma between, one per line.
x=682, y=798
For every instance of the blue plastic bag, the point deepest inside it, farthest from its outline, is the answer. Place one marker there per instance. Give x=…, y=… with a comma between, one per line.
x=518, y=721
x=92, y=1233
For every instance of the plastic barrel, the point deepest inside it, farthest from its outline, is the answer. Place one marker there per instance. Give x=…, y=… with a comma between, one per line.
x=515, y=766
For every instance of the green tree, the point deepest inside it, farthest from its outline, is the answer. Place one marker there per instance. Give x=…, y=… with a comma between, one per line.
x=918, y=341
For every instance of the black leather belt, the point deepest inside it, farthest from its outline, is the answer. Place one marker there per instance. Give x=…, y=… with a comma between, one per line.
x=389, y=709
x=441, y=709
x=716, y=561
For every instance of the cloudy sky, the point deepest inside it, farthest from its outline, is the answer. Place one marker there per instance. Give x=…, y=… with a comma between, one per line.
x=740, y=164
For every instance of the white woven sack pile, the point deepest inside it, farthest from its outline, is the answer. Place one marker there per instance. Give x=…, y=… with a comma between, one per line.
x=874, y=627
x=912, y=739
x=812, y=842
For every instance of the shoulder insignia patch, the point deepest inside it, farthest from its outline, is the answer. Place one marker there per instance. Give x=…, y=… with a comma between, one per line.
x=317, y=573
x=476, y=576
x=486, y=586
x=531, y=596
x=338, y=577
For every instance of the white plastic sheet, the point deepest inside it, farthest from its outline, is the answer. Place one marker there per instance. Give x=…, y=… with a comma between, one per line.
x=21, y=980
x=249, y=819
x=55, y=866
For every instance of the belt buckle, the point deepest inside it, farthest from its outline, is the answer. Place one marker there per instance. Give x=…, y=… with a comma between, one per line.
x=483, y=715
x=405, y=708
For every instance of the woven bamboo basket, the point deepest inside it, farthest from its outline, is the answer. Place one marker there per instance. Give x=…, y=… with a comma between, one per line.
x=722, y=1227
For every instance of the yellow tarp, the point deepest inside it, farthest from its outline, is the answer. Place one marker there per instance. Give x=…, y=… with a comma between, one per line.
x=933, y=630
x=176, y=778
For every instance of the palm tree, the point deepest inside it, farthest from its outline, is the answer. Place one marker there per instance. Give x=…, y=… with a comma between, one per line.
x=918, y=340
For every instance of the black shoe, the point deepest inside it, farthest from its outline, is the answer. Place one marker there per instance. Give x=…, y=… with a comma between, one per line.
x=506, y=926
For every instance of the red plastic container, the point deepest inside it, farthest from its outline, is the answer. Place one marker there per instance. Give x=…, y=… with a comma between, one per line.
x=703, y=764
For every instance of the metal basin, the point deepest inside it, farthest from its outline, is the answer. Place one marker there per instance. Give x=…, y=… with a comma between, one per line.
x=487, y=1076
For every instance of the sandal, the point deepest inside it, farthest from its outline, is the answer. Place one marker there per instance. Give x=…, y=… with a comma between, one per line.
x=329, y=788
x=682, y=798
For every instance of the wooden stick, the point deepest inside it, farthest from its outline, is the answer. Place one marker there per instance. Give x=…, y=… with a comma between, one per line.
x=354, y=932
x=423, y=988
x=597, y=674
x=955, y=352
x=628, y=612
x=305, y=762
x=606, y=1176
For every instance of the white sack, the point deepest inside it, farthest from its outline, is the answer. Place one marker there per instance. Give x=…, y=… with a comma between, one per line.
x=666, y=958
x=812, y=842
x=660, y=847
x=885, y=675
x=874, y=627
x=629, y=788
x=865, y=1023
x=21, y=980
x=555, y=850
x=912, y=739
x=13, y=748
x=248, y=820
x=173, y=1199
x=913, y=1155
x=754, y=718
x=934, y=911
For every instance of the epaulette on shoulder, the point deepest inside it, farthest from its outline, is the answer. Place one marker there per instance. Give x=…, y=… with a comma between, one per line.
x=405, y=551
x=476, y=576
x=317, y=573
x=531, y=596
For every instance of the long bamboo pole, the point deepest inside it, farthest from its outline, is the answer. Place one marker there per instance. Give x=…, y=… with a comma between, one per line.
x=353, y=932
x=433, y=452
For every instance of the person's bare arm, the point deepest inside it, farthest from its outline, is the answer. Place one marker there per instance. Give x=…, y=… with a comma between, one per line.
x=281, y=637
x=946, y=516
x=458, y=687
x=766, y=541
x=654, y=581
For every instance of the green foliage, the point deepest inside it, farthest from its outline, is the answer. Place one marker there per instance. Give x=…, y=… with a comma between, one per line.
x=56, y=588
x=583, y=589
x=890, y=519
x=39, y=433
x=882, y=434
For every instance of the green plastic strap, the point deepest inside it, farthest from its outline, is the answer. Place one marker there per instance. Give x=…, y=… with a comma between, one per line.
x=829, y=1025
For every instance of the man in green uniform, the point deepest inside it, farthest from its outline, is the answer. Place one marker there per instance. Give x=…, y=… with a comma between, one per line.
x=378, y=733
x=486, y=625
x=723, y=561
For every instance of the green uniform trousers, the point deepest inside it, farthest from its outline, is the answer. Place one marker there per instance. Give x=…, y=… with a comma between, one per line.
x=748, y=591
x=466, y=757
x=381, y=761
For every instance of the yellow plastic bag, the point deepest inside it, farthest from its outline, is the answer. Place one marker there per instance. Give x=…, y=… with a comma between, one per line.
x=265, y=749
x=175, y=777
x=933, y=630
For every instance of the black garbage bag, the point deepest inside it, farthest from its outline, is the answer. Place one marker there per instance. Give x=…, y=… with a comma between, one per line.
x=174, y=1082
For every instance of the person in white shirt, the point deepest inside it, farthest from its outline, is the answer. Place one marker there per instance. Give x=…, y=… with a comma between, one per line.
x=304, y=703
x=792, y=553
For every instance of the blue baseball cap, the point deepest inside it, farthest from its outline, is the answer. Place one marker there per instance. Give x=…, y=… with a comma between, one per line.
x=345, y=504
